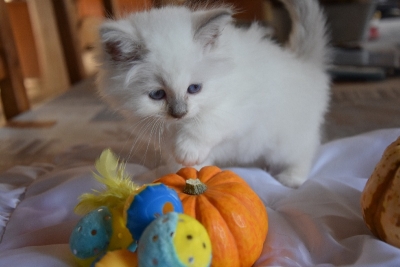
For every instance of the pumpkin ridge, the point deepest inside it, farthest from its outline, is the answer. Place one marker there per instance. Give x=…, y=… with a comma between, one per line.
x=227, y=185
x=177, y=183
x=251, y=196
x=187, y=173
x=192, y=200
x=204, y=202
x=238, y=198
x=207, y=173
x=226, y=177
x=212, y=197
x=183, y=197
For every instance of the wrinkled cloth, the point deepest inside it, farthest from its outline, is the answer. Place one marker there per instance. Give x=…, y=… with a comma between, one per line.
x=318, y=224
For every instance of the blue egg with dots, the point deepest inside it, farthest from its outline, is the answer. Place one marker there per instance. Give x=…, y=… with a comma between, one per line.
x=156, y=246
x=175, y=239
x=91, y=236
x=150, y=203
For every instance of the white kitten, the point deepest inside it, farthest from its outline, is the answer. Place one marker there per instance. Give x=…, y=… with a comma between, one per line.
x=209, y=93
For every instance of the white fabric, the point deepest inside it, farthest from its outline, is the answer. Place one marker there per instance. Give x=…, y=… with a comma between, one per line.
x=319, y=224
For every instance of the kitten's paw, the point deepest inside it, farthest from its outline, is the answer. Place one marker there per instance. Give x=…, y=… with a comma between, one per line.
x=295, y=173
x=291, y=181
x=190, y=155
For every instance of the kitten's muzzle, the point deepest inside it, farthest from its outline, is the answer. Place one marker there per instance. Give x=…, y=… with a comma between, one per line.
x=177, y=109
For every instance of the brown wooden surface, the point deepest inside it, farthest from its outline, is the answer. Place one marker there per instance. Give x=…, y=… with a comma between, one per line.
x=2, y=69
x=108, y=7
x=13, y=93
x=90, y=8
x=67, y=22
x=54, y=72
x=24, y=39
x=123, y=7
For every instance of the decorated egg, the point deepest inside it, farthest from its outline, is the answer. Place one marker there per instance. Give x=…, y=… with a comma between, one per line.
x=174, y=239
x=152, y=201
x=99, y=231
x=91, y=236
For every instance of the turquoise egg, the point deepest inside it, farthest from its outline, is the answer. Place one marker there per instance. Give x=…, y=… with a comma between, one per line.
x=156, y=247
x=91, y=236
x=177, y=240
x=152, y=202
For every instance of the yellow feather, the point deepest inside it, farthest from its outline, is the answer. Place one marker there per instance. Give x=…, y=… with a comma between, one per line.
x=118, y=185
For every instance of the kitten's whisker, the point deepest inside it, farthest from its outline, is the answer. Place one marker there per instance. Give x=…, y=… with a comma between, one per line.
x=161, y=138
x=197, y=121
x=152, y=130
x=140, y=132
x=132, y=130
x=157, y=146
x=150, y=126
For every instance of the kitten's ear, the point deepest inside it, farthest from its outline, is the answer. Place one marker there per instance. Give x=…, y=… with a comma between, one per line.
x=119, y=45
x=208, y=25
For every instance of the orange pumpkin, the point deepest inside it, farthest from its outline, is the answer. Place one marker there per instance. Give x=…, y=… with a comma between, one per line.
x=380, y=199
x=234, y=216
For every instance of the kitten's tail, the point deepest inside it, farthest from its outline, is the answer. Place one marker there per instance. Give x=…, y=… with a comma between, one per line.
x=308, y=38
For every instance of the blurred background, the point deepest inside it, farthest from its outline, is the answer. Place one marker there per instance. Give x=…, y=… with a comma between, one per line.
x=47, y=45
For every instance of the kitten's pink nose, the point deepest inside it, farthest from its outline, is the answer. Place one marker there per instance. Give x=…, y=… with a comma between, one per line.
x=177, y=109
x=177, y=114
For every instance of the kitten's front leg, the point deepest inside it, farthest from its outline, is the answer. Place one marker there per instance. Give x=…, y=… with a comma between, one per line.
x=191, y=151
x=298, y=165
x=293, y=176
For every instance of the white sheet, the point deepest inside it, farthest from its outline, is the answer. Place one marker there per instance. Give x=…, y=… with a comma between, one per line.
x=319, y=224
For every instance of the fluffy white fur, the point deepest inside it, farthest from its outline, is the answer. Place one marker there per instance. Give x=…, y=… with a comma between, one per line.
x=260, y=104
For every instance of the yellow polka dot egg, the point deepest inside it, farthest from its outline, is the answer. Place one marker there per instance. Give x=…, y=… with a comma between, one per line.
x=175, y=239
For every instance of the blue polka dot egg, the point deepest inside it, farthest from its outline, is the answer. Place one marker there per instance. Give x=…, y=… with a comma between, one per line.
x=91, y=236
x=151, y=201
x=175, y=239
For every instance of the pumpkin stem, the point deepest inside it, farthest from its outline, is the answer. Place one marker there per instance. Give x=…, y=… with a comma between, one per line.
x=194, y=187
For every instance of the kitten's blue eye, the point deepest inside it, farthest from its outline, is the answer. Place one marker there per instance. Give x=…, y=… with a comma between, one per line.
x=157, y=95
x=194, y=88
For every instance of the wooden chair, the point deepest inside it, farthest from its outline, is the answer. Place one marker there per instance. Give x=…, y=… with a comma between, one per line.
x=54, y=24
x=13, y=93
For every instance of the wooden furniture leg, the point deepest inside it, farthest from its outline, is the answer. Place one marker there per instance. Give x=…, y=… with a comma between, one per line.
x=67, y=21
x=50, y=54
x=13, y=92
